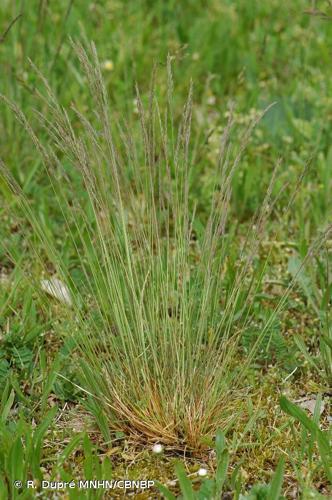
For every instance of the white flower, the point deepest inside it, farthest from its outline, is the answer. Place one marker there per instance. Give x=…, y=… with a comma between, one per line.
x=108, y=65
x=157, y=448
x=56, y=289
x=135, y=106
x=202, y=472
x=211, y=100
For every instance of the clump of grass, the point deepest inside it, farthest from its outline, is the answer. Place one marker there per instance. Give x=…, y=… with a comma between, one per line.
x=161, y=303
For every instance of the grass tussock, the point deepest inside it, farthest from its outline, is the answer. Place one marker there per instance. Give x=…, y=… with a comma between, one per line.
x=160, y=300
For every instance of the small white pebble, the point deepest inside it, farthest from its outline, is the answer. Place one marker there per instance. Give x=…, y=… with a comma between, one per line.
x=157, y=448
x=202, y=472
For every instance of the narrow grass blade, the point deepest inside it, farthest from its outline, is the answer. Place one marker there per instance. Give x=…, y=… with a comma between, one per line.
x=71, y=446
x=88, y=458
x=185, y=483
x=7, y=406
x=294, y=411
x=327, y=341
x=165, y=491
x=322, y=440
x=221, y=473
x=38, y=442
x=222, y=462
x=16, y=460
x=277, y=480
